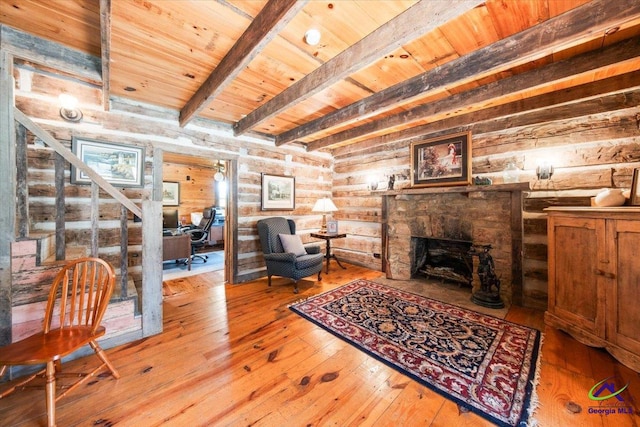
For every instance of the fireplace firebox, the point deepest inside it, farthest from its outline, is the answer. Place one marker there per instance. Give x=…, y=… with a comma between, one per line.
x=445, y=259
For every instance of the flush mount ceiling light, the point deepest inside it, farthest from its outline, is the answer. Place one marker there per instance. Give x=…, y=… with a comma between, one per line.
x=312, y=37
x=68, y=108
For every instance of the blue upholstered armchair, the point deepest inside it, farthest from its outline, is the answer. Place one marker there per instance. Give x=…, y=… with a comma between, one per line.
x=296, y=261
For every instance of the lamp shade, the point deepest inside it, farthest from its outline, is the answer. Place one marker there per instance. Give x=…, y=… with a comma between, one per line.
x=324, y=205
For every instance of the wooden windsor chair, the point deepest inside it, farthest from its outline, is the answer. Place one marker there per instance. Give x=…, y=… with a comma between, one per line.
x=78, y=299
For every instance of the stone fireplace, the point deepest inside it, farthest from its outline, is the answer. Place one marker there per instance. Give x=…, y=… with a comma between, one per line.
x=478, y=215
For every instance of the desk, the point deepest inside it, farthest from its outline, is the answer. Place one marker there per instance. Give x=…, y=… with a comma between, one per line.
x=177, y=247
x=216, y=233
x=328, y=237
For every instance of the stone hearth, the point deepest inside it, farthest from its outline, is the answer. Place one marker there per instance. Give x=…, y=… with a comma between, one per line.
x=483, y=215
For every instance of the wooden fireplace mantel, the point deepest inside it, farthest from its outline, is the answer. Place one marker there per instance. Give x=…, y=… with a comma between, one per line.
x=518, y=186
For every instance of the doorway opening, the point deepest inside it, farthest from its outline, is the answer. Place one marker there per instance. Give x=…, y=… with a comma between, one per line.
x=201, y=205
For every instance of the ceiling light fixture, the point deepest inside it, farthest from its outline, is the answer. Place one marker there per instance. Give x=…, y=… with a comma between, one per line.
x=312, y=37
x=219, y=176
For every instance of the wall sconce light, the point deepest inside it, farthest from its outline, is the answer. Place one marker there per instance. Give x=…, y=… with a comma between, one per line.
x=373, y=183
x=544, y=171
x=312, y=37
x=69, y=108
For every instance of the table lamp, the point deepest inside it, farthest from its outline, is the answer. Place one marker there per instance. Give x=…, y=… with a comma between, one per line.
x=324, y=205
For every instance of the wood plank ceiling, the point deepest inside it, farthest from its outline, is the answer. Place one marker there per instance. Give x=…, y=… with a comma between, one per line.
x=382, y=70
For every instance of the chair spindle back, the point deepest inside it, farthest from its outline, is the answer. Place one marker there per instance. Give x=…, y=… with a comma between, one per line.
x=80, y=294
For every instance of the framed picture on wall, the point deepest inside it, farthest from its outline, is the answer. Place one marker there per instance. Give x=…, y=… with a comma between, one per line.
x=170, y=193
x=278, y=192
x=441, y=161
x=121, y=165
x=635, y=188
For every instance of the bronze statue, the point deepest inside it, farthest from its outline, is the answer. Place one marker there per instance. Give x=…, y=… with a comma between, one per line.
x=489, y=293
x=489, y=282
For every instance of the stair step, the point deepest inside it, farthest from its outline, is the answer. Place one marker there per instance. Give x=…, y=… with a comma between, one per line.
x=33, y=268
x=132, y=294
x=71, y=252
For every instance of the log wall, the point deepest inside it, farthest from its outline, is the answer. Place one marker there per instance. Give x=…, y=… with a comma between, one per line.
x=589, y=151
x=591, y=145
x=152, y=128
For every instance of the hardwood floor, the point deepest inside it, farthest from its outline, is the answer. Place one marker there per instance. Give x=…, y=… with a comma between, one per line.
x=236, y=355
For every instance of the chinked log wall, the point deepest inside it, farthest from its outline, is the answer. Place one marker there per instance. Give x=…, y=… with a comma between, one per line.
x=154, y=128
x=590, y=149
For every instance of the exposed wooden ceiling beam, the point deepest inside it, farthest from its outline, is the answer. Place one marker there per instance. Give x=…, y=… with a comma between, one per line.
x=105, y=48
x=409, y=25
x=613, y=93
x=536, y=42
x=476, y=98
x=275, y=15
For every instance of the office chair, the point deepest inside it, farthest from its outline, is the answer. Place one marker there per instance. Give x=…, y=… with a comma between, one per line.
x=200, y=234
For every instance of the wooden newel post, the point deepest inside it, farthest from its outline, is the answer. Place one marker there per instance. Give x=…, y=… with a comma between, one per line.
x=151, y=267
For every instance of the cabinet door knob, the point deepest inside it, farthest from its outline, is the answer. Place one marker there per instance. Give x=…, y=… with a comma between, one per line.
x=605, y=274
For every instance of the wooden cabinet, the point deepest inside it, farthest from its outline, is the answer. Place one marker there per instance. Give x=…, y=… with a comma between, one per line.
x=594, y=278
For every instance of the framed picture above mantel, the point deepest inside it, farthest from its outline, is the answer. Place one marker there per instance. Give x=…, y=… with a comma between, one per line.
x=441, y=161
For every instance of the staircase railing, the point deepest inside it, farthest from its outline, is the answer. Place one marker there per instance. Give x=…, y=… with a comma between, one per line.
x=151, y=248
x=69, y=156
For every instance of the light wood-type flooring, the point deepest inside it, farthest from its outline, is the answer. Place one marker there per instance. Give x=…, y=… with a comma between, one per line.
x=236, y=355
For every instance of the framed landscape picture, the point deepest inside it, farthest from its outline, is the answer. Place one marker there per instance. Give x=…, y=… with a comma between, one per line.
x=278, y=192
x=170, y=193
x=441, y=161
x=121, y=165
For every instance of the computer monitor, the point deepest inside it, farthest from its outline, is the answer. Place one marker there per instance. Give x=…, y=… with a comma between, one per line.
x=220, y=214
x=170, y=218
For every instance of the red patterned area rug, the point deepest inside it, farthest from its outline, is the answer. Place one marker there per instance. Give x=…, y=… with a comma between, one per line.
x=481, y=362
